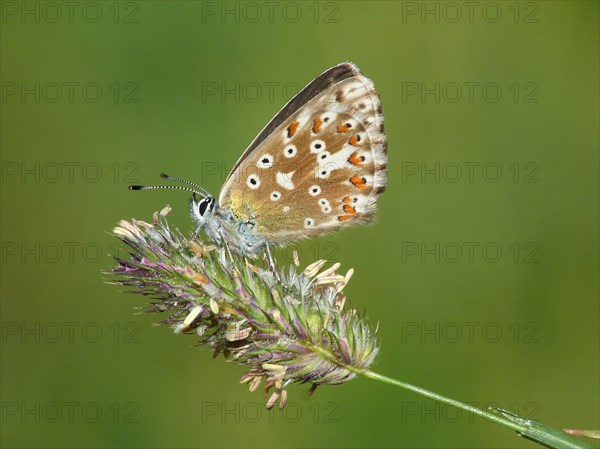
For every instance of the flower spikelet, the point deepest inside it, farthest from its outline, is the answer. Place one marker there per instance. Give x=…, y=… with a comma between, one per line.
x=287, y=326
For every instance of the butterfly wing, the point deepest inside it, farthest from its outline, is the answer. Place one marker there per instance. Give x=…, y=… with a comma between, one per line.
x=319, y=165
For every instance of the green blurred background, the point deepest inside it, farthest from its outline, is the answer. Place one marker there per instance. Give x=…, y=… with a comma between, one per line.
x=127, y=90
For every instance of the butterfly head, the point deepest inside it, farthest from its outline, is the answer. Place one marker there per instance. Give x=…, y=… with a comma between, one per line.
x=203, y=208
x=202, y=205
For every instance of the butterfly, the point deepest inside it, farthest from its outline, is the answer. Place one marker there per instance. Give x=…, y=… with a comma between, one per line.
x=319, y=165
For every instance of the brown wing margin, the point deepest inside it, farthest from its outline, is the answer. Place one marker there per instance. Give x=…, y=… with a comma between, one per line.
x=331, y=76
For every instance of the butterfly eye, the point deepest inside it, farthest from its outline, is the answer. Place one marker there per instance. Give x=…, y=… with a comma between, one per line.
x=253, y=182
x=266, y=161
x=203, y=205
x=290, y=151
x=317, y=146
x=314, y=190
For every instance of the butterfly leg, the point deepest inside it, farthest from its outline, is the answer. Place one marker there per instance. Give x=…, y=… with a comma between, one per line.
x=196, y=232
x=227, y=249
x=271, y=262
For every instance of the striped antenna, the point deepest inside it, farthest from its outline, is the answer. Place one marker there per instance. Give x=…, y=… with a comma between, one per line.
x=200, y=190
x=167, y=187
x=185, y=181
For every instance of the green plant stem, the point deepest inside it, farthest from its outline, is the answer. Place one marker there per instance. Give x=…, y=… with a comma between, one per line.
x=530, y=429
x=526, y=428
x=438, y=397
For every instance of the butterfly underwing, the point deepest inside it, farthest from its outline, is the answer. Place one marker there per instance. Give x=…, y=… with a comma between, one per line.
x=319, y=165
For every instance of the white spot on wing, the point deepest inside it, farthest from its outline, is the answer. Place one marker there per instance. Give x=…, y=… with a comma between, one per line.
x=253, y=181
x=327, y=119
x=290, y=151
x=325, y=170
x=322, y=156
x=285, y=180
x=265, y=161
x=325, y=206
x=354, y=90
x=314, y=190
x=316, y=146
x=309, y=223
x=340, y=158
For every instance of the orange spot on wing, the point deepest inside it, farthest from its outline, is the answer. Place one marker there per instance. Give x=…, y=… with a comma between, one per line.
x=355, y=159
x=347, y=199
x=349, y=209
x=359, y=182
x=292, y=129
x=343, y=128
x=345, y=217
x=353, y=141
x=317, y=125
